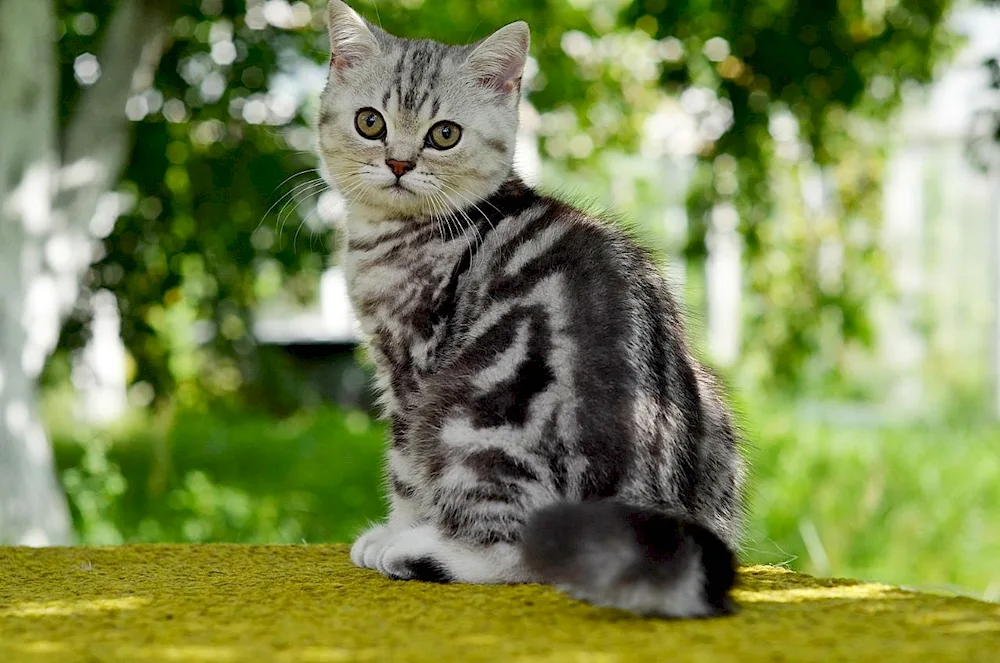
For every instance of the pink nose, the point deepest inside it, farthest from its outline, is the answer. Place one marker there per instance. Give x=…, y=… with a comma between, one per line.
x=400, y=168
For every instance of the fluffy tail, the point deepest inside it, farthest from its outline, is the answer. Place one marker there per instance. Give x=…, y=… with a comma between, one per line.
x=631, y=558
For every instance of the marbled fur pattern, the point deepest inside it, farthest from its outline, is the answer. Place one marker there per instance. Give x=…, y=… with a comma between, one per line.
x=528, y=354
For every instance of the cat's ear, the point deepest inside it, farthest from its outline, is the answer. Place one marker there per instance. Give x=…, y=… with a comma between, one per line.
x=498, y=61
x=351, y=40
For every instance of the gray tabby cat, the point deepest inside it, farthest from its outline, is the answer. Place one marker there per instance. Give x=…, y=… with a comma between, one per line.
x=548, y=422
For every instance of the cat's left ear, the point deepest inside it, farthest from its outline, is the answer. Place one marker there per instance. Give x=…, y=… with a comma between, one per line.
x=498, y=61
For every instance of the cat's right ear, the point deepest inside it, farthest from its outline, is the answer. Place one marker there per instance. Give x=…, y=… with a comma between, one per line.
x=498, y=61
x=351, y=40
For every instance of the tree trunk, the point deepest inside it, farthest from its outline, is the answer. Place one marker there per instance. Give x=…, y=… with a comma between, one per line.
x=33, y=510
x=46, y=214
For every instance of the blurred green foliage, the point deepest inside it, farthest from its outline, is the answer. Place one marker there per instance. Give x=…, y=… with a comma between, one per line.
x=203, y=239
x=221, y=170
x=838, y=68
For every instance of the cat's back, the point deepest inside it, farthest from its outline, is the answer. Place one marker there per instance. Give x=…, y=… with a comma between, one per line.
x=573, y=296
x=587, y=275
x=564, y=331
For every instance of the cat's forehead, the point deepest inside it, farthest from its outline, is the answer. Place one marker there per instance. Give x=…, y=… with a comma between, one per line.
x=421, y=74
x=413, y=78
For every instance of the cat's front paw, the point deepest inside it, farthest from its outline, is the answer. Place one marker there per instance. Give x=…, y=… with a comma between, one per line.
x=368, y=547
x=414, y=554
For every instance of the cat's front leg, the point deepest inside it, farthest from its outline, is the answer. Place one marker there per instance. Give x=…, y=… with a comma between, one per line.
x=404, y=513
x=477, y=506
x=368, y=547
x=424, y=553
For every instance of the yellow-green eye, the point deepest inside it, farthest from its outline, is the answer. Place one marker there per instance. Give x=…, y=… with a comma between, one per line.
x=370, y=123
x=444, y=135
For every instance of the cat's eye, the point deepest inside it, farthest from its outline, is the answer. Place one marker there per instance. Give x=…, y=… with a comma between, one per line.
x=370, y=123
x=444, y=135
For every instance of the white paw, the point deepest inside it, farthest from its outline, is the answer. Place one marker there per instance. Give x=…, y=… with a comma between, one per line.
x=368, y=547
x=414, y=554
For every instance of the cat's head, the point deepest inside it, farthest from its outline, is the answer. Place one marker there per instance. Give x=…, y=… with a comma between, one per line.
x=417, y=128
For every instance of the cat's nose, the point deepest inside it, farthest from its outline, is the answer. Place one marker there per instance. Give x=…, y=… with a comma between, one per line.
x=400, y=168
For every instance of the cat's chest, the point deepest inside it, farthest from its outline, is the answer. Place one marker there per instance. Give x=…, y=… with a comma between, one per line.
x=397, y=296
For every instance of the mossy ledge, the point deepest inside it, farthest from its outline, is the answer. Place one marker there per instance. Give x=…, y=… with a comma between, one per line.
x=308, y=604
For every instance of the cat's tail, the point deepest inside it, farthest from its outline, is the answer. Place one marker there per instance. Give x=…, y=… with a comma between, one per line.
x=627, y=557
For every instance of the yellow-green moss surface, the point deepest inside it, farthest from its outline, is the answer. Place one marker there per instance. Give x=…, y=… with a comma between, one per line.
x=308, y=604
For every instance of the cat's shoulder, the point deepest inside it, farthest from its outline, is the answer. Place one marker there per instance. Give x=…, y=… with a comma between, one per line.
x=541, y=209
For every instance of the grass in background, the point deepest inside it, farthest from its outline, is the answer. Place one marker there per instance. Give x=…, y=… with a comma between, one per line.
x=916, y=505
x=239, y=477
x=911, y=505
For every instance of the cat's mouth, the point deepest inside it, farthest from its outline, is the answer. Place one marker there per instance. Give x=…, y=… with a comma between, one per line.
x=399, y=189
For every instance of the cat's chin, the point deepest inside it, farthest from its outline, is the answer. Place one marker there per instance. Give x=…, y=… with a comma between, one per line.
x=375, y=201
x=392, y=202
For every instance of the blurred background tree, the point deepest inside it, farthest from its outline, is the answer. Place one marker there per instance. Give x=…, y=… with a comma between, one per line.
x=832, y=72
x=214, y=143
x=57, y=182
x=760, y=130
x=212, y=146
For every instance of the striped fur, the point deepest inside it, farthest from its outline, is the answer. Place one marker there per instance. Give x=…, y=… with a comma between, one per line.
x=547, y=419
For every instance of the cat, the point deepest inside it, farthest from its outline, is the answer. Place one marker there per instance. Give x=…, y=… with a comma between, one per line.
x=547, y=421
